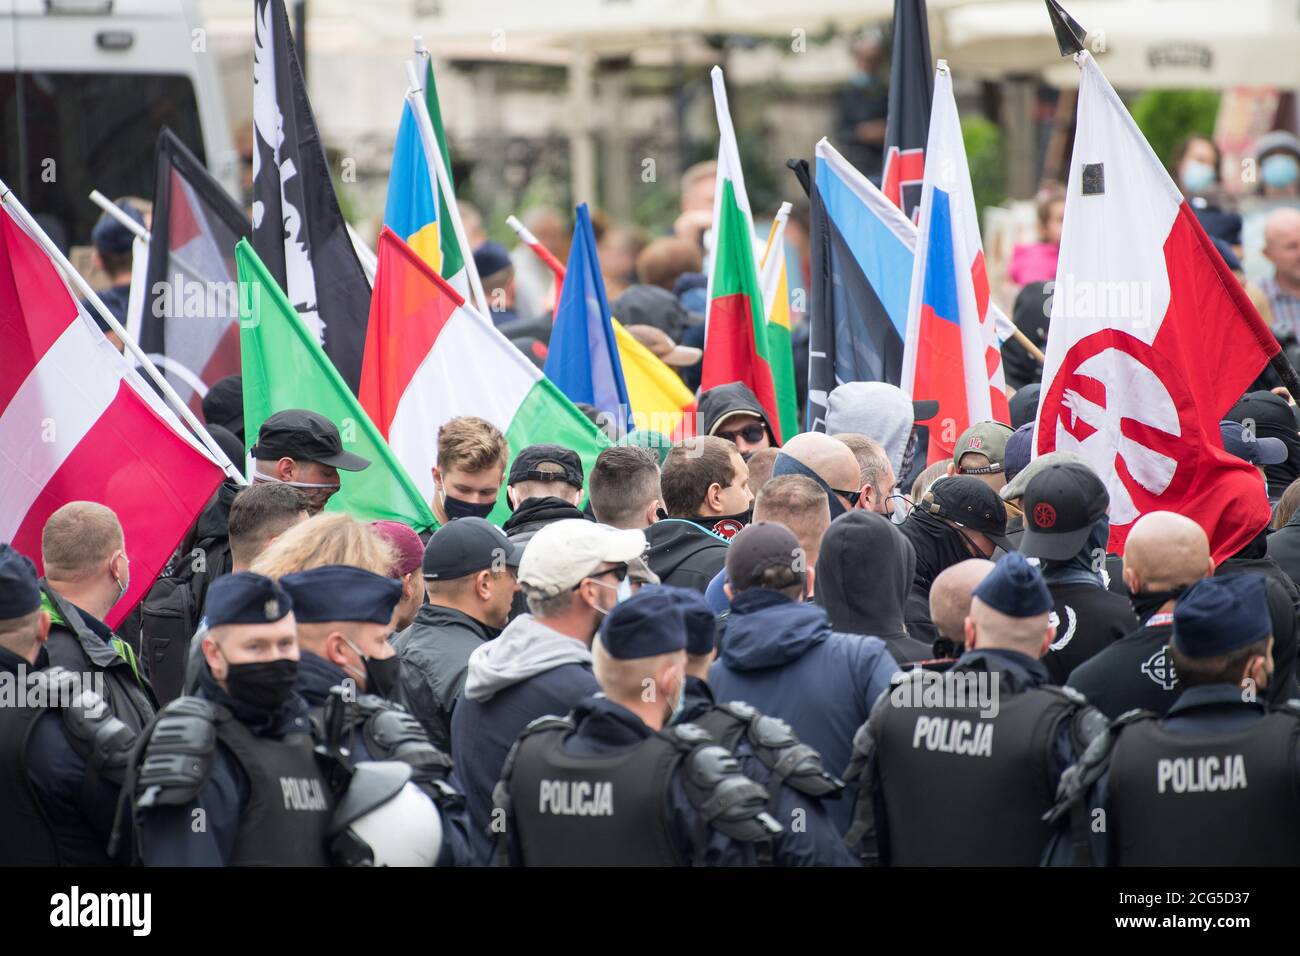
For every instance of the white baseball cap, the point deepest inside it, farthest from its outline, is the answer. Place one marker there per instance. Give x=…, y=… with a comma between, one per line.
x=564, y=552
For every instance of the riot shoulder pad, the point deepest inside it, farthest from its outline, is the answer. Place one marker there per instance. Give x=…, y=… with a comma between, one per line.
x=101, y=739
x=791, y=761
x=391, y=733
x=179, y=753
x=727, y=800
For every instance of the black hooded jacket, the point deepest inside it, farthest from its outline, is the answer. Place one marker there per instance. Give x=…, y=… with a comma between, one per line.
x=534, y=514
x=1284, y=547
x=864, y=573
x=1273, y=418
x=938, y=547
x=717, y=403
x=683, y=554
x=1283, y=611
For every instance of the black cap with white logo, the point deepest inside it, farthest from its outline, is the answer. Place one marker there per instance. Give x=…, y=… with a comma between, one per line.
x=1061, y=504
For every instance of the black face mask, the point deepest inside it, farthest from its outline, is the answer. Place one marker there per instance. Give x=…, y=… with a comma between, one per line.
x=1150, y=602
x=264, y=685
x=382, y=676
x=455, y=508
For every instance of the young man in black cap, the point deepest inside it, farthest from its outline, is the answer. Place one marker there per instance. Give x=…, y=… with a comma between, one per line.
x=1213, y=782
x=544, y=485
x=245, y=745
x=681, y=799
x=960, y=517
x=303, y=449
x=1164, y=554
x=780, y=654
x=469, y=574
x=1066, y=529
x=991, y=728
x=62, y=753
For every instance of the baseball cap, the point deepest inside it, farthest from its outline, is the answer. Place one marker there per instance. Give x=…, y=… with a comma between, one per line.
x=647, y=624
x=467, y=546
x=1062, y=503
x=109, y=235
x=546, y=463
x=564, y=552
x=20, y=593
x=1257, y=450
x=405, y=544
x=969, y=502
x=224, y=404
x=305, y=436
x=664, y=347
x=1220, y=615
x=1019, y=451
x=1015, y=487
x=760, y=546
x=1015, y=588
x=986, y=438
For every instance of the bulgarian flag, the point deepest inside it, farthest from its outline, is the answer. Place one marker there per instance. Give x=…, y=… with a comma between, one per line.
x=736, y=346
x=776, y=299
x=431, y=357
x=285, y=367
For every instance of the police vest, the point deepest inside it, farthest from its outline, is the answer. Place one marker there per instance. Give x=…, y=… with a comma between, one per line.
x=964, y=790
x=1225, y=799
x=287, y=815
x=27, y=834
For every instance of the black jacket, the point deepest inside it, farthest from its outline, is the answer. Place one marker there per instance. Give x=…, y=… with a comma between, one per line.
x=1088, y=620
x=1134, y=673
x=1284, y=547
x=1283, y=610
x=534, y=514
x=434, y=653
x=723, y=400
x=683, y=554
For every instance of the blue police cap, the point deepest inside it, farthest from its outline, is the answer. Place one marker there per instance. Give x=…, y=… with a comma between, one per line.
x=109, y=235
x=245, y=598
x=697, y=617
x=20, y=594
x=645, y=625
x=1015, y=587
x=340, y=592
x=1217, y=616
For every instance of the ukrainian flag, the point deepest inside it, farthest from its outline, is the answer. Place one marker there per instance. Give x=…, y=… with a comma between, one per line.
x=412, y=207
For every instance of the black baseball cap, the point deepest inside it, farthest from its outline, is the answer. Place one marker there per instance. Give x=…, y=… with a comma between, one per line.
x=1061, y=504
x=971, y=503
x=759, y=546
x=466, y=546
x=546, y=463
x=1258, y=450
x=305, y=436
x=224, y=404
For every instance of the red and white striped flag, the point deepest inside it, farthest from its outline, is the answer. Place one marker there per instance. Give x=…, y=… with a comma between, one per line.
x=77, y=423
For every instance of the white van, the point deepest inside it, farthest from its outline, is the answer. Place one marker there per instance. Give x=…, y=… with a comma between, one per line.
x=85, y=86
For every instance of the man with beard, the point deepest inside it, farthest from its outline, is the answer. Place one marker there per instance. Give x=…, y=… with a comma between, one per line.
x=1272, y=418
x=864, y=580
x=732, y=412
x=1164, y=554
x=1066, y=529
x=960, y=517
x=302, y=449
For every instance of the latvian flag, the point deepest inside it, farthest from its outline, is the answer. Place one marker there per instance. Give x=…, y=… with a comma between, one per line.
x=77, y=423
x=951, y=352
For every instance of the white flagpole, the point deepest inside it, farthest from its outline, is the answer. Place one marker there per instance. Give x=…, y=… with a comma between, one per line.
x=415, y=96
x=33, y=228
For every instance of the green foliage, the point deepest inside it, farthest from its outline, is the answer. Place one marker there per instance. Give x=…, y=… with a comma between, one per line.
x=1166, y=116
x=983, y=142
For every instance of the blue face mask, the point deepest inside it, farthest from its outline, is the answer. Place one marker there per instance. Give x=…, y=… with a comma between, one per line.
x=1279, y=171
x=1196, y=176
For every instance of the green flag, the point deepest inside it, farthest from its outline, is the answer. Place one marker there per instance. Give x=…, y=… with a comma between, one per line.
x=285, y=367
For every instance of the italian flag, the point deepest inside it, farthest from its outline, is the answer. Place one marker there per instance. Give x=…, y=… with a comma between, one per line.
x=431, y=357
x=776, y=298
x=736, y=345
x=285, y=367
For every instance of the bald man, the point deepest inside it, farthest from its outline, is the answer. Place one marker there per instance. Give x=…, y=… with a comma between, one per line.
x=827, y=461
x=950, y=597
x=1164, y=554
x=1282, y=248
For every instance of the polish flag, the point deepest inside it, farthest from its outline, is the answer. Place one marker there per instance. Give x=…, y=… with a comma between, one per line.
x=77, y=423
x=1151, y=340
x=951, y=352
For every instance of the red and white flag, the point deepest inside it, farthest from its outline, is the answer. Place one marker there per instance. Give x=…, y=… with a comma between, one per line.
x=77, y=423
x=1151, y=340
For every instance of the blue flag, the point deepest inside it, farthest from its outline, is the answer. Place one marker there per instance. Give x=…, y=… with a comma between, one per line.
x=583, y=357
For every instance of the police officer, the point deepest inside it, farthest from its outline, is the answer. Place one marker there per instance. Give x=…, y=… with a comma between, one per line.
x=1173, y=790
x=769, y=752
x=229, y=776
x=347, y=674
x=62, y=753
x=958, y=768
x=612, y=784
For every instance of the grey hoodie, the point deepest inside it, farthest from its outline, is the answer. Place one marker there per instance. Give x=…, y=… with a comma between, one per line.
x=875, y=409
x=525, y=648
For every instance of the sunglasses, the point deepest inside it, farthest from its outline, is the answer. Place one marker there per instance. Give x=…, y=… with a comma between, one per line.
x=619, y=571
x=751, y=433
x=852, y=496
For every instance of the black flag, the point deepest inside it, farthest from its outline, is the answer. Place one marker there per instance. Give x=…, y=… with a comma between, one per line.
x=190, y=324
x=911, y=91
x=298, y=230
